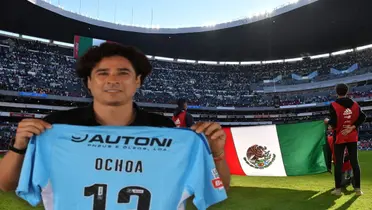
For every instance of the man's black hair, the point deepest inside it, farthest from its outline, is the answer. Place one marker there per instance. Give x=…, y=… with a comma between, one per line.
x=95, y=54
x=181, y=102
x=342, y=89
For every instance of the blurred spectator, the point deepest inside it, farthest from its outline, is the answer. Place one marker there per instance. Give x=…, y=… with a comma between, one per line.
x=7, y=132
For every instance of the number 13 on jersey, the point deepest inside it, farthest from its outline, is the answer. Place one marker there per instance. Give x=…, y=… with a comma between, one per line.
x=99, y=193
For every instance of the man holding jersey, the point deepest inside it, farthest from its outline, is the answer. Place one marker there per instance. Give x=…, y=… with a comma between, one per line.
x=112, y=73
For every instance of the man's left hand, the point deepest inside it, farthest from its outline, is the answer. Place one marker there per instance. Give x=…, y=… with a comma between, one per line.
x=215, y=134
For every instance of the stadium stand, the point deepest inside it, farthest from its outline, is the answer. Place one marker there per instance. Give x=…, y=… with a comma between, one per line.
x=7, y=132
x=30, y=66
x=37, y=67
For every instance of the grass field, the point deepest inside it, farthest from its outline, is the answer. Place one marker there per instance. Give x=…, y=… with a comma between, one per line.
x=289, y=193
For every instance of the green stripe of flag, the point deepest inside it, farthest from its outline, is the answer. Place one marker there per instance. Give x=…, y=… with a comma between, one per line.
x=302, y=147
x=84, y=44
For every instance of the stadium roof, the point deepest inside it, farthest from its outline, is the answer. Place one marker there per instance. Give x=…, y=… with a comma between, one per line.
x=321, y=27
x=73, y=14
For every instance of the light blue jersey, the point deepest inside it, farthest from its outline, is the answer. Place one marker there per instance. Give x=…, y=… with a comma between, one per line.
x=109, y=168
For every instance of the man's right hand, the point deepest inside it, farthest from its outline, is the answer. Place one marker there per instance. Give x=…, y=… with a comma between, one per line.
x=28, y=128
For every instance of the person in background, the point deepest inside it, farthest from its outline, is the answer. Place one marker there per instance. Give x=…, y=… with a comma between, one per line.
x=346, y=117
x=181, y=117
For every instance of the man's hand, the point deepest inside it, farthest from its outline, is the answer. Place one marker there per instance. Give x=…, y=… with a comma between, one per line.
x=215, y=134
x=11, y=164
x=216, y=138
x=28, y=128
x=348, y=130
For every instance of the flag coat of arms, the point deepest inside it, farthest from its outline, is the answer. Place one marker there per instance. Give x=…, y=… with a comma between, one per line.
x=277, y=150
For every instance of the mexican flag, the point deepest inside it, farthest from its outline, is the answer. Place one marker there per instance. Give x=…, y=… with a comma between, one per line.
x=276, y=150
x=82, y=44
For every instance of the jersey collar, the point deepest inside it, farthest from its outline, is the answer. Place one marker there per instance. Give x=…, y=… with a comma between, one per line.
x=91, y=119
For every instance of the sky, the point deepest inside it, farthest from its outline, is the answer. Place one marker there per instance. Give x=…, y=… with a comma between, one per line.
x=167, y=13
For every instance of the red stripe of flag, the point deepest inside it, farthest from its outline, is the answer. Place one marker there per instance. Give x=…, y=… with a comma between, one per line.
x=108, y=41
x=231, y=155
x=76, y=46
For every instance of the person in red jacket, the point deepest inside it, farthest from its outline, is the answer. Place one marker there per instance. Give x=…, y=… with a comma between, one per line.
x=346, y=117
x=181, y=117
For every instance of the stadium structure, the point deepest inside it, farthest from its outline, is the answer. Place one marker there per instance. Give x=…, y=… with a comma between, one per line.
x=271, y=69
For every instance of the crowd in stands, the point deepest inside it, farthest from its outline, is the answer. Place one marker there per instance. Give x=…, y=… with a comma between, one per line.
x=7, y=133
x=44, y=68
x=365, y=143
x=35, y=67
x=365, y=136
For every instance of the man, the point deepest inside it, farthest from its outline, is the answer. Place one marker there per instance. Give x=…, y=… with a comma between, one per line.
x=181, y=117
x=112, y=73
x=346, y=117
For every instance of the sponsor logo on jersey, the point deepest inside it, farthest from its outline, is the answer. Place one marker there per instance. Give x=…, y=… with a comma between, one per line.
x=216, y=181
x=79, y=138
x=259, y=157
x=126, y=142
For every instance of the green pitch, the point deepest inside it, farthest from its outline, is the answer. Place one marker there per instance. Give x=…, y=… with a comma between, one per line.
x=249, y=193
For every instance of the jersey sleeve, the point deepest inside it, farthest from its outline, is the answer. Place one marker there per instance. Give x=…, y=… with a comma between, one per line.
x=34, y=173
x=203, y=179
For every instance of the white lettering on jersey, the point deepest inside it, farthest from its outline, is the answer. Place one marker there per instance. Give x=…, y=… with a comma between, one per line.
x=348, y=112
x=347, y=115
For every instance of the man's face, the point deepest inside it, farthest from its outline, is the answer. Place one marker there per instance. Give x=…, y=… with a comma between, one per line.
x=113, y=81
